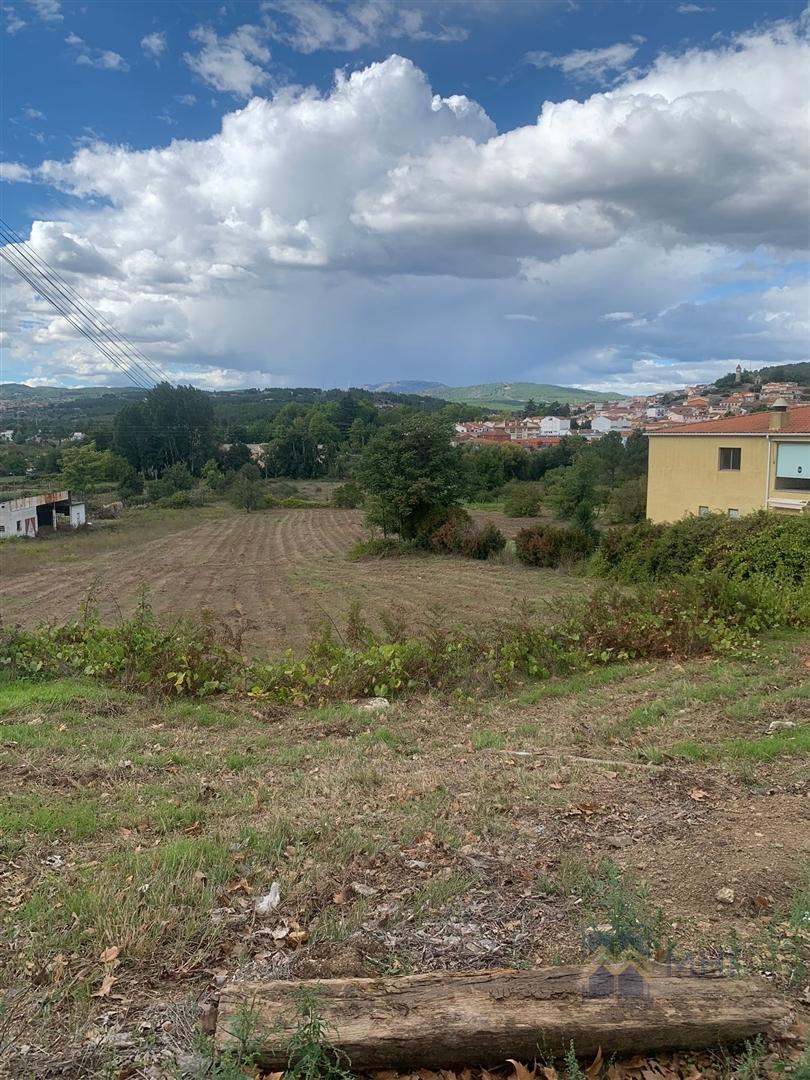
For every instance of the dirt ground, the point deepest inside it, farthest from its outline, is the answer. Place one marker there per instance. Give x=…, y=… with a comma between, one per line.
x=666, y=803
x=282, y=571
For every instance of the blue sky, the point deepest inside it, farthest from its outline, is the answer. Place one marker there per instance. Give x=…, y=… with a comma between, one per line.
x=604, y=194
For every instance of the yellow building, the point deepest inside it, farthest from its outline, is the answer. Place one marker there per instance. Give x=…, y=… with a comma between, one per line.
x=734, y=466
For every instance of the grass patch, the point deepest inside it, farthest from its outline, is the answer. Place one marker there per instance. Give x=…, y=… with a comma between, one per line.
x=20, y=694
x=438, y=893
x=72, y=819
x=154, y=905
x=761, y=749
x=618, y=915
x=581, y=682
x=488, y=740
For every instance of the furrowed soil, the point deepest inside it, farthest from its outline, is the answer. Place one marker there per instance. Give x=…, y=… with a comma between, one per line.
x=658, y=799
x=282, y=572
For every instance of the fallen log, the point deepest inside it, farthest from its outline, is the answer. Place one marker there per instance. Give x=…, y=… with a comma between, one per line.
x=482, y=1018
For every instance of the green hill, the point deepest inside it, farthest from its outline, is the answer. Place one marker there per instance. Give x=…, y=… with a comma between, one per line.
x=514, y=395
x=27, y=394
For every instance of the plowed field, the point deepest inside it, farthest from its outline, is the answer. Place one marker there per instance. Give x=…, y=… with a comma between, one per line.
x=283, y=571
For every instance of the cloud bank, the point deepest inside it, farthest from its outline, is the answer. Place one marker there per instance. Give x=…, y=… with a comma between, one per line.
x=380, y=230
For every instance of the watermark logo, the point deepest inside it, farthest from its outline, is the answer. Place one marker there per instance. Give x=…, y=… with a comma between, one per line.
x=622, y=982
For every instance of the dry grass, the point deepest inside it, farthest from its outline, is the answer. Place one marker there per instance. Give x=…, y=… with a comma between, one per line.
x=426, y=836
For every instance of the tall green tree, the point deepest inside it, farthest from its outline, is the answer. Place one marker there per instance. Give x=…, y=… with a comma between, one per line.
x=172, y=425
x=410, y=470
x=84, y=468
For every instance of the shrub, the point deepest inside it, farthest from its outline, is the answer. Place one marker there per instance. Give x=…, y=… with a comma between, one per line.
x=446, y=531
x=521, y=500
x=380, y=548
x=549, y=545
x=178, y=500
x=459, y=535
x=198, y=657
x=483, y=542
x=627, y=503
x=348, y=496
x=303, y=504
x=178, y=477
x=247, y=493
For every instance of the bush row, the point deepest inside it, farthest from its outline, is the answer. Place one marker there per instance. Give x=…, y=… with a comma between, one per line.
x=776, y=546
x=686, y=618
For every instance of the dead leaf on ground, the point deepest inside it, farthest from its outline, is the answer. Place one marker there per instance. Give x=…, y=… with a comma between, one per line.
x=105, y=988
x=58, y=967
x=521, y=1071
x=110, y=955
x=595, y=1066
x=698, y=793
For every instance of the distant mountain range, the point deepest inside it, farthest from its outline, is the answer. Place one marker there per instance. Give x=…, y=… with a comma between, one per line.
x=508, y=395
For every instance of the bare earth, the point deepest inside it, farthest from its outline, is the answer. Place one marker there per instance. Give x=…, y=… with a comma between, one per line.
x=282, y=571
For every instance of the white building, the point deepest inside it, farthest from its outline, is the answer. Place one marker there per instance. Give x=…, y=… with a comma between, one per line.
x=26, y=516
x=604, y=424
x=7, y=436
x=555, y=425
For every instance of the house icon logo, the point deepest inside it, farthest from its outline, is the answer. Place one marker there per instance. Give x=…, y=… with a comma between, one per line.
x=622, y=982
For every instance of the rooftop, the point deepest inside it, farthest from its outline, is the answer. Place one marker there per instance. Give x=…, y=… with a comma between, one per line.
x=795, y=421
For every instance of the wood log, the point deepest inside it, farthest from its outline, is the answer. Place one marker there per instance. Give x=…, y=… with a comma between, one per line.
x=482, y=1018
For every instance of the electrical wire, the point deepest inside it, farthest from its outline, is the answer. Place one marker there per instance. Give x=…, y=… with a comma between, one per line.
x=78, y=312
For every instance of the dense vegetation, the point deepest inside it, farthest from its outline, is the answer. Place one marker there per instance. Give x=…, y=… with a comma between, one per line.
x=761, y=545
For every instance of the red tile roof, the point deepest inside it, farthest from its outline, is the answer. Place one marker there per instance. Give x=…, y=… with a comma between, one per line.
x=795, y=421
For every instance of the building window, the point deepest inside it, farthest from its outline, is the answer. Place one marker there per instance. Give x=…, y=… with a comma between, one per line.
x=793, y=467
x=730, y=457
x=703, y=511
x=19, y=525
x=2, y=528
x=732, y=513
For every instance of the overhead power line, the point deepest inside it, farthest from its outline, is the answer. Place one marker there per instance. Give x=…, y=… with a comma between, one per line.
x=82, y=316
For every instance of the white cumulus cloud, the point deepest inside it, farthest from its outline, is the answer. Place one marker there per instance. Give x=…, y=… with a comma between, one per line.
x=13, y=21
x=13, y=172
x=104, y=59
x=154, y=44
x=232, y=64
x=47, y=10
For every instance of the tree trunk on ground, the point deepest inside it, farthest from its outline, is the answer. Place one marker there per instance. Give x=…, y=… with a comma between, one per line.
x=483, y=1018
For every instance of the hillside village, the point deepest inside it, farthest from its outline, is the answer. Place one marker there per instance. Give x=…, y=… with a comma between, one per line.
x=652, y=412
